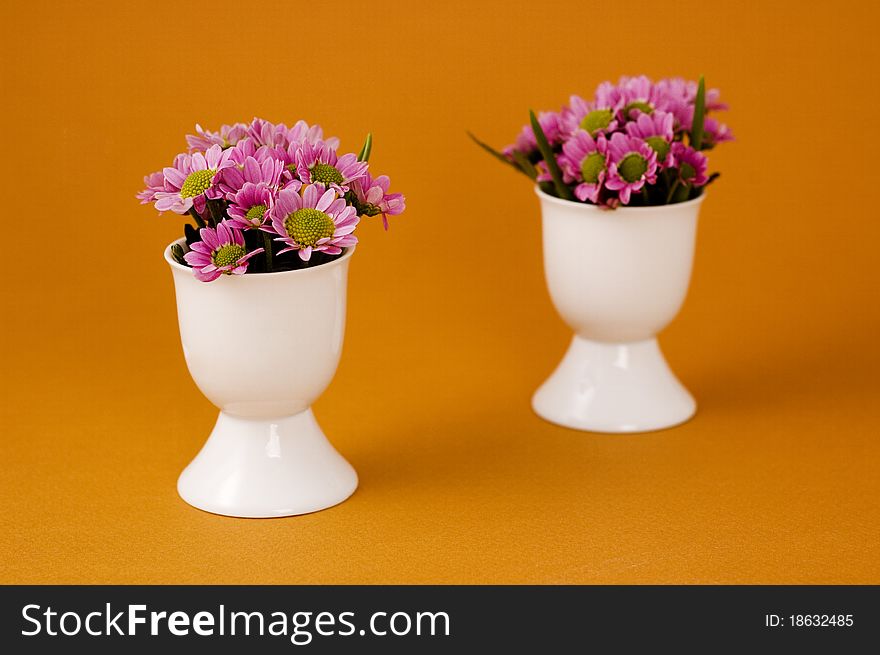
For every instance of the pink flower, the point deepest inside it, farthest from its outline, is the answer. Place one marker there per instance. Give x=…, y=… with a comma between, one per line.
x=220, y=252
x=250, y=206
x=245, y=148
x=677, y=88
x=269, y=134
x=155, y=183
x=593, y=117
x=715, y=133
x=656, y=129
x=191, y=180
x=373, y=197
x=692, y=165
x=631, y=96
x=678, y=96
x=319, y=164
x=584, y=160
x=268, y=172
x=632, y=164
x=302, y=133
x=526, y=143
x=318, y=220
x=228, y=135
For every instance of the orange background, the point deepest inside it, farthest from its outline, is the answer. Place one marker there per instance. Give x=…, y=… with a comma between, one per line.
x=450, y=328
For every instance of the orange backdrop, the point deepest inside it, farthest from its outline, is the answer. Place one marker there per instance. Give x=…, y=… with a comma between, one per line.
x=450, y=328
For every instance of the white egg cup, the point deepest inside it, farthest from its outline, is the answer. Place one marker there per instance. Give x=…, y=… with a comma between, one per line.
x=617, y=278
x=262, y=348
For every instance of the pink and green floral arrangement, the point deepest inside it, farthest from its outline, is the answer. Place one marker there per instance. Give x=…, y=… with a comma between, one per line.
x=636, y=143
x=266, y=198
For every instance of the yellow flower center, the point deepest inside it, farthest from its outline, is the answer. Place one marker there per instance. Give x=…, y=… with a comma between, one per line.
x=592, y=166
x=326, y=174
x=642, y=106
x=227, y=255
x=255, y=214
x=307, y=226
x=197, y=183
x=596, y=120
x=659, y=145
x=632, y=167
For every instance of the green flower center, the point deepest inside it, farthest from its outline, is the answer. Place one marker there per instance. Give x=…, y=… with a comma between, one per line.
x=306, y=226
x=659, y=145
x=632, y=167
x=227, y=255
x=687, y=172
x=596, y=120
x=643, y=107
x=326, y=174
x=255, y=214
x=197, y=183
x=592, y=165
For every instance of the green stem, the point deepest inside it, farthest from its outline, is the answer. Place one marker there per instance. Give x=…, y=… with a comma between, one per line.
x=212, y=210
x=671, y=191
x=267, y=247
x=199, y=220
x=682, y=194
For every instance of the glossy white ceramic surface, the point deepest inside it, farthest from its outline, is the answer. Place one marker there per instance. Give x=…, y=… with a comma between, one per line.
x=617, y=278
x=263, y=348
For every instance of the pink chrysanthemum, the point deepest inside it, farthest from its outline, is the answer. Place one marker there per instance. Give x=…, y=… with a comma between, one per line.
x=692, y=165
x=715, y=133
x=677, y=96
x=593, y=117
x=269, y=134
x=155, y=183
x=584, y=160
x=268, y=172
x=631, y=96
x=655, y=129
x=245, y=148
x=251, y=205
x=526, y=143
x=220, y=252
x=373, y=197
x=228, y=135
x=319, y=164
x=316, y=221
x=632, y=164
x=679, y=89
x=302, y=132
x=191, y=180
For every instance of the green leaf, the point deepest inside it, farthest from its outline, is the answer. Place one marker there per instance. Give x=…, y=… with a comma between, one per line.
x=525, y=165
x=499, y=156
x=177, y=254
x=699, y=115
x=544, y=146
x=364, y=154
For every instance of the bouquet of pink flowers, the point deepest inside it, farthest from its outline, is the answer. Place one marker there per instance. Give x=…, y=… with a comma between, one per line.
x=267, y=198
x=635, y=143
